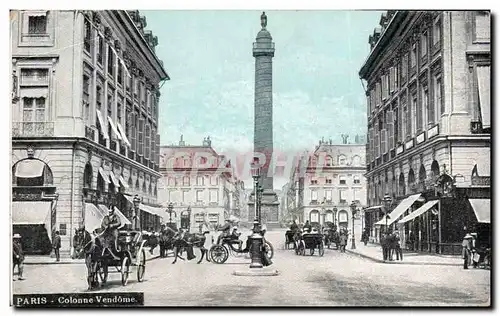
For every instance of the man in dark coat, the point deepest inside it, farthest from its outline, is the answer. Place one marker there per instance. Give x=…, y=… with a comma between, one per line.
x=56, y=245
x=17, y=256
x=226, y=231
x=307, y=227
x=383, y=243
x=343, y=241
x=110, y=224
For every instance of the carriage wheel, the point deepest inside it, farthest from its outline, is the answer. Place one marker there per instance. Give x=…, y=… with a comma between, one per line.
x=103, y=271
x=268, y=247
x=311, y=251
x=219, y=254
x=125, y=270
x=141, y=265
x=321, y=249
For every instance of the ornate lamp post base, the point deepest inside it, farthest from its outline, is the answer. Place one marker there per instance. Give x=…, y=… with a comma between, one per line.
x=256, y=250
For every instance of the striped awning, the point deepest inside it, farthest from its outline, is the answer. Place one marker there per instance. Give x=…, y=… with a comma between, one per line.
x=421, y=210
x=114, y=179
x=399, y=210
x=114, y=129
x=103, y=174
x=482, y=209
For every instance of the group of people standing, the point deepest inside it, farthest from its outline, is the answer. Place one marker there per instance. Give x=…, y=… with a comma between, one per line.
x=391, y=244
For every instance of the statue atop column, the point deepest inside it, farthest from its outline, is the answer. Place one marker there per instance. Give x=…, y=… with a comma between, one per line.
x=263, y=20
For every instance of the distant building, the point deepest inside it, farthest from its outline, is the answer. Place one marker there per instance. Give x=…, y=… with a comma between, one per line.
x=429, y=125
x=199, y=183
x=326, y=182
x=85, y=93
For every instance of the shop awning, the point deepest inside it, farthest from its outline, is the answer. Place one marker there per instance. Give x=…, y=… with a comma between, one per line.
x=482, y=208
x=114, y=129
x=103, y=174
x=483, y=82
x=29, y=168
x=421, y=210
x=113, y=179
x=32, y=213
x=149, y=209
x=372, y=208
x=123, y=134
x=123, y=219
x=122, y=182
x=93, y=217
x=382, y=221
x=400, y=209
x=104, y=131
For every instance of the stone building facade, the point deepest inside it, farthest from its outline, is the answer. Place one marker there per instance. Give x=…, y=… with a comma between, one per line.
x=85, y=92
x=200, y=184
x=428, y=100
x=326, y=182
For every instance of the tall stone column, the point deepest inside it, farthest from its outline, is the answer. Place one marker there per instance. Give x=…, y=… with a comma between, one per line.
x=263, y=51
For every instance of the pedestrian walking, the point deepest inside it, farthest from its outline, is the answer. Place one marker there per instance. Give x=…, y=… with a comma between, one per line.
x=383, y=244
x=343, y=241
x=411, y=240
x=397, y=246
x=466, y=250
x=56, y=245
x=17, y=256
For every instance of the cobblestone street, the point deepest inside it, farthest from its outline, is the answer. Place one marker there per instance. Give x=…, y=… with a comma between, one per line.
x=337, y=279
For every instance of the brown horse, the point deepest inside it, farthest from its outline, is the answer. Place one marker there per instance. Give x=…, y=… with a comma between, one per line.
x=188, y=241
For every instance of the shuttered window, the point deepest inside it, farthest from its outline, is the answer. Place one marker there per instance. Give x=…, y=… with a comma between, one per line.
x=140, y=138
x=390, y=129
x=157, y=149
x=147, y=142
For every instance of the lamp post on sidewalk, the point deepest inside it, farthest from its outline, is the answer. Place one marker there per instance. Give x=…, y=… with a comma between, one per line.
x=137, y=214
x=256, y=238
x=353, y=213
x=387, y=203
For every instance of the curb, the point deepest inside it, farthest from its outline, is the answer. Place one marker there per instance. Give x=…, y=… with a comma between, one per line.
x=403, y=263
x=80, y=261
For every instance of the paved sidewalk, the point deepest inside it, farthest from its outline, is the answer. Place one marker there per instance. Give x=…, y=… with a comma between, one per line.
x=42, y=260
x=374, y=253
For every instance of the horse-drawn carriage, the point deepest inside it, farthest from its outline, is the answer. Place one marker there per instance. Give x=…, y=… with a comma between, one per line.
x=130, y=253
x=219, y=253
x=331, y=237
x=310, y=241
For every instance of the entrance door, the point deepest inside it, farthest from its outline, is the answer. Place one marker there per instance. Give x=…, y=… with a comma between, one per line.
x=34, y=239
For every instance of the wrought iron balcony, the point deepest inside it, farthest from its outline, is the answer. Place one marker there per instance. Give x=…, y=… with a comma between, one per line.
x=32, y=129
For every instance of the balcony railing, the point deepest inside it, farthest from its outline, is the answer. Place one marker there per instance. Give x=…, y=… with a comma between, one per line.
x=32, y=129
x=98, y=197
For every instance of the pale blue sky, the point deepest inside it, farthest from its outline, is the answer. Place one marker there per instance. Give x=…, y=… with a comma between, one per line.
x=208, y=55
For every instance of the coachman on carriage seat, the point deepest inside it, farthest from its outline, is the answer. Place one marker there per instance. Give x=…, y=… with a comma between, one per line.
x=110, y=224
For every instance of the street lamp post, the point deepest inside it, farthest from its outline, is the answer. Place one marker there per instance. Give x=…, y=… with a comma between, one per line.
x=256, y=238
x=353, y=213
x=387, y=204
x=170, y=210
x=137, y=213
x=335, y=217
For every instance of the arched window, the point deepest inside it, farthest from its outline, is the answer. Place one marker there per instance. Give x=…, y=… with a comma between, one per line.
x=87, y=176
x=421, y=178
x=314, y=216
x=343, y=219
x=144, y=186
x=100, y=183
x=137, y=184
x=394, y=189
x=150, y=190
x=435, y=170
x=342, y=160
x=32, y=172
x=356, y=160
x=130, y=181
x=329, y=161
x=411, y=181
x=402, y=186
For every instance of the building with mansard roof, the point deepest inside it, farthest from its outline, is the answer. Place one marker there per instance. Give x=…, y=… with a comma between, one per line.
x=85, y=93
x=325, y=182
x=200, y=184
x=429, y=126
